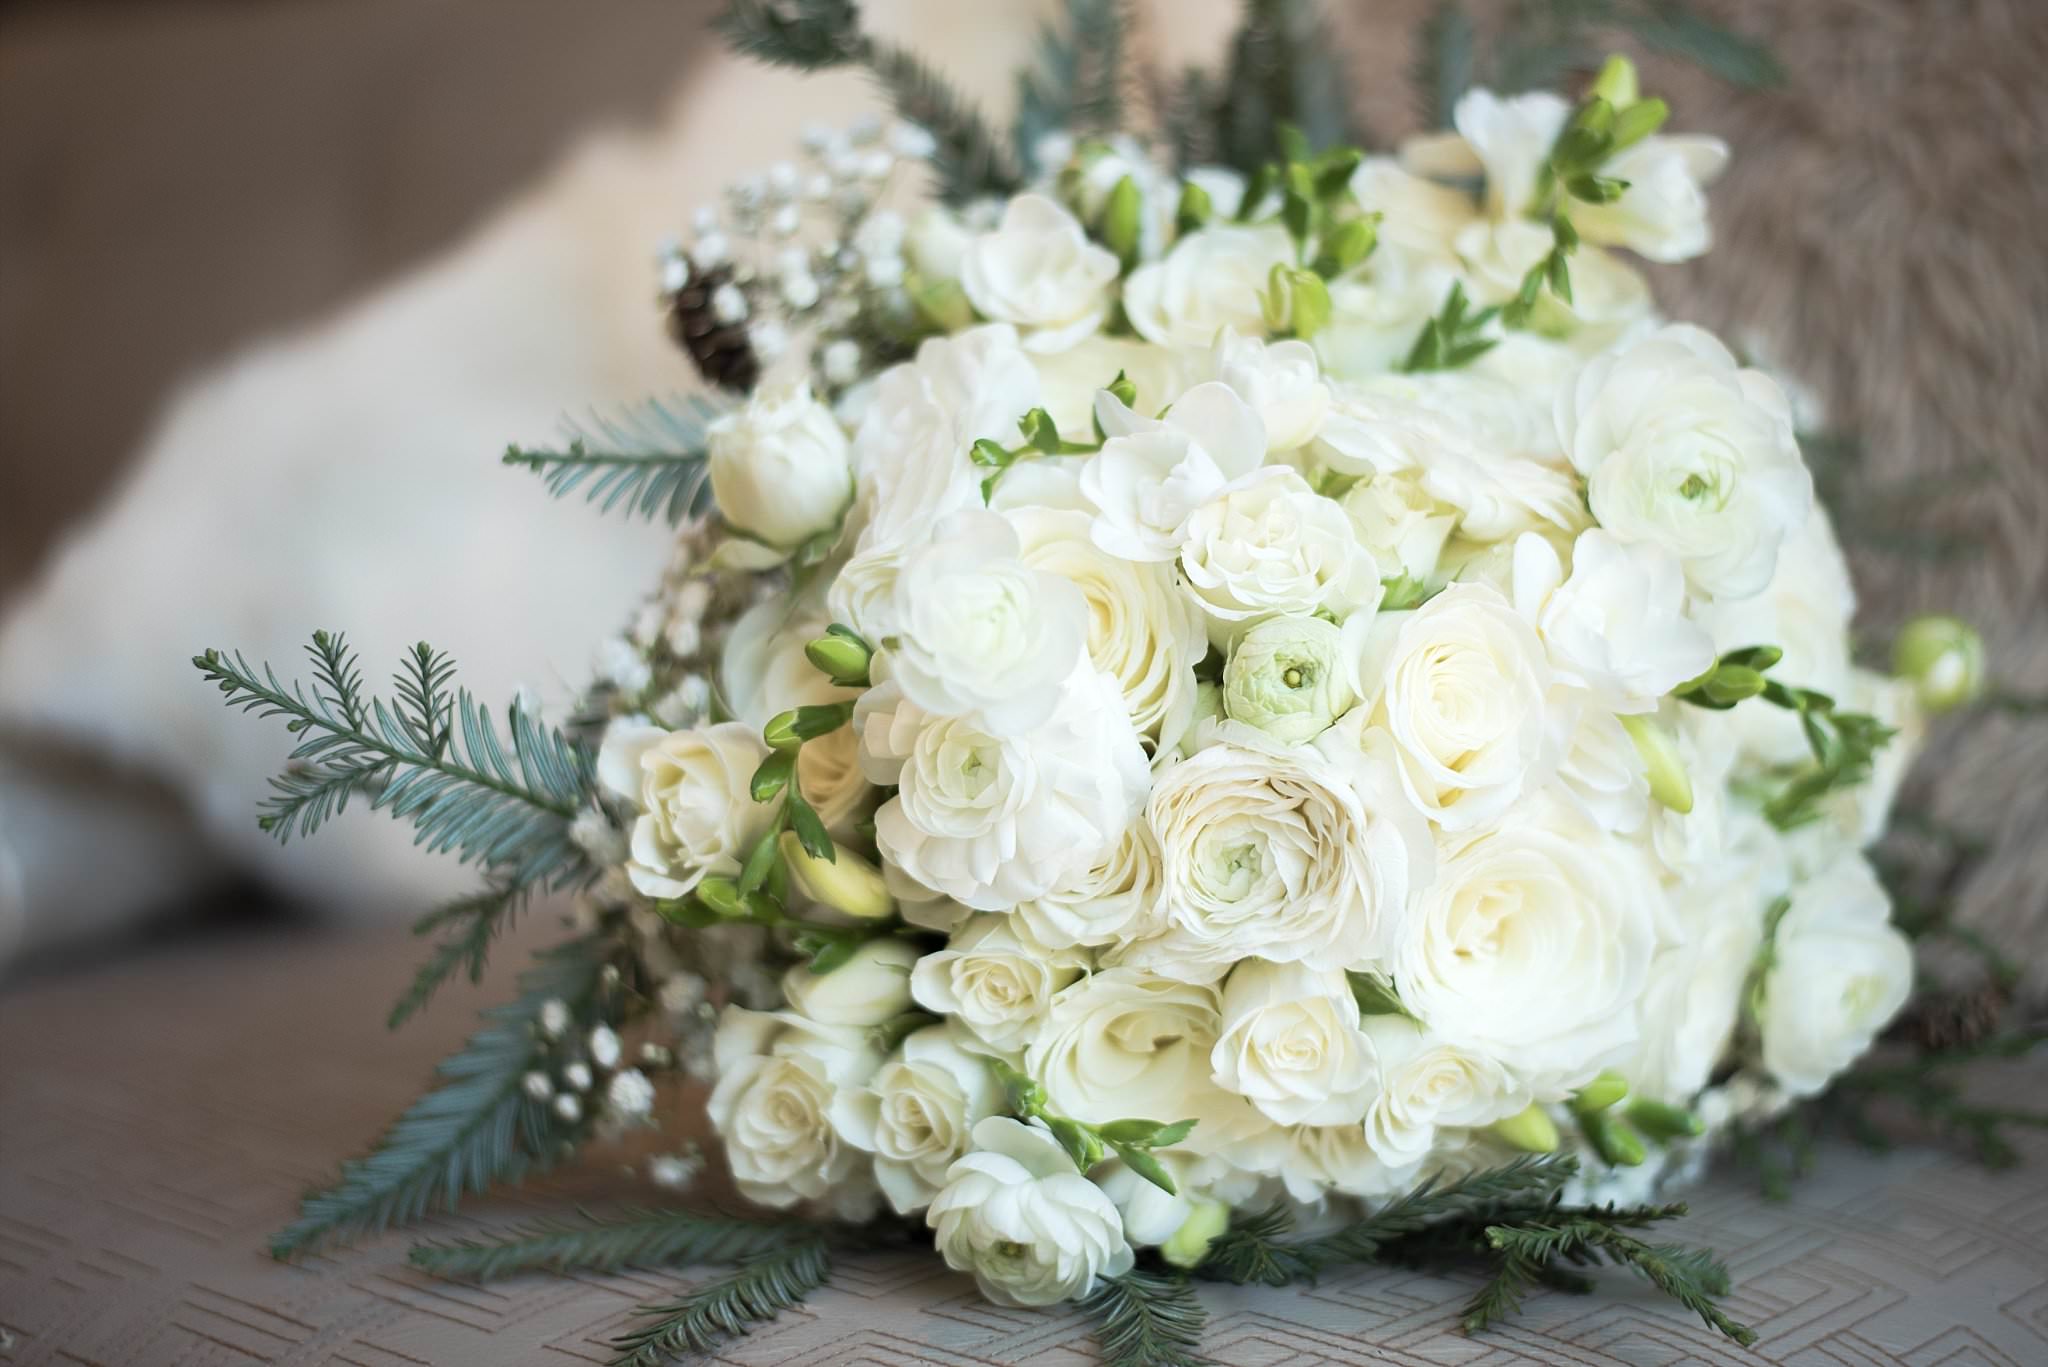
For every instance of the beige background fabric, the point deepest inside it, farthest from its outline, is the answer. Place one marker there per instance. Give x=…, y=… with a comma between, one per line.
x=158, y=1118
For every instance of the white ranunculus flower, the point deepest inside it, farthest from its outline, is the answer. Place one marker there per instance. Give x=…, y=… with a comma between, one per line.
x=918, y=1113
x=1288, y=677
x=1152, y=473
x=1069, y=380
x=1127, y=1044
x=1662, y=215
x=1116, y=900
x=996, y=980
x=871, y=987
x=1210, y=280
x=1038, y=269
x=780, y=467
x=1609, y=297
x=1839, y=973
x=1280, y=380
x=1291, y=1044
x=1618, y=626
x=992, y=821
x=1533, y=946
x=778, y=1078
x=1463, y=686
x=690, y=788
x=1695, y=988
x=1272, y=545
x=1141, y=629
x=980, y=634
x=1422, y=1084
x=1031, y=1229
x=1285, y=853
x=1683, y=448
x=1400, y=523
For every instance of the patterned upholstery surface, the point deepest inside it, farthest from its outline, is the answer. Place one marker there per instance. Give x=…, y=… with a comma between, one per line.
x=159, y=1115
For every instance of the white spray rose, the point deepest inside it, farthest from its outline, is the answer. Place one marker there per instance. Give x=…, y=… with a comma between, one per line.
x=1152, y=473
x=996, y=980
x=1016, y=1215
x=780, y=467
x=1116, y=900
x=1280, y=380
x=1617, y=627
x=1400, y=523
x=918, y=1113
x=1038, y=269
x=1533, y=946
x=1291, y=1044
x=1210, y=280
x=778, y=1077
x=992, y=821
x=1463, y=686
x=1287, y=676
x=1271, y=545
x=1662, y=215
x=1683, y=448
x=690, y=788
x=1839, y=973
x=1422, y=1084
x=871, y=987
x=979, y=634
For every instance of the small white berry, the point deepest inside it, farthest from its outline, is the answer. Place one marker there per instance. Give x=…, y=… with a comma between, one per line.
x=554, y=1017
x=800, y=290
x=577, y=1076
x=710, y=250
x=842, y=362
x=675, y=274
x=728, y=305
x=568, y=1108
x=603, y=1045
x=537, y=1086
x=630, y=1095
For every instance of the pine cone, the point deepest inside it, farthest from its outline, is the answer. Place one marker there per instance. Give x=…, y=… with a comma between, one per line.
x=1954, y=1020
x=721, y=352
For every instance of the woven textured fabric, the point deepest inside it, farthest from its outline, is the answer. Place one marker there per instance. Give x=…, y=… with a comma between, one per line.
x=159, y=1116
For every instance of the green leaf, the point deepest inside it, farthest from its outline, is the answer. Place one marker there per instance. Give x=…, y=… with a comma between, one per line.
x=772, y=776
x=1168, y=1135
x=1142, y=1162
x=810, y=829
x=760, y=1288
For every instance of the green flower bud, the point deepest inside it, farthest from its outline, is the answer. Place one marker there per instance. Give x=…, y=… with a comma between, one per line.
x=1531, y=1130
x=1346, y=245
x=1286, y=677
x=1943, y=657
x=843, y=659
x=942, y=304
x=1296, y=301
x=1601, y=1093
x=1613, y=1138
x=780, y=732
x=1670, y=784
x=846, y=882
x=721, y=896
x=1663, y=1122
x=1189, y=1244
x=1617, y=83
x=1121, y=218
x=1194, y=210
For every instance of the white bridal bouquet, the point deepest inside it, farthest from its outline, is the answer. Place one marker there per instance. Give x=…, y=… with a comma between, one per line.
x=1209, y=719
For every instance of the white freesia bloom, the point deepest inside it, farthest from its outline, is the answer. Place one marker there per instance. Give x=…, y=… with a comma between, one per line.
x=992, y=821
x=1601, y=771
x=871, y=987
x=1291, y=1044
x=1210, y=280
x=1153, y=473
x=1662, y=215
x=1839, y=973
x=1617, y=627
x=1282, y=381
x=690, y=790
x=1272, y=545
x=780, y=467
x=918, y=1113
x=1422, y=1084
x=1287, y=676
x=1118, y=899
x=1684, y=449
x=1016, y=1215
x=1533, y=946
x=778, y=1078
x=980, y=634
x=1038, y=269
x=1505, y=139
x=995, y=979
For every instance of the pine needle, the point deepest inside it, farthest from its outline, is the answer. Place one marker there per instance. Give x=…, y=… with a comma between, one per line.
x=762, y=1287
x=634, y=1238
x=477, y=921
x=649, y=460
x=1146, y=1319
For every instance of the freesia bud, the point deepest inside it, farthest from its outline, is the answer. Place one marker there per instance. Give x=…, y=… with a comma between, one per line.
x=843, y=659
x=1617, y=83
x=1194, y=209
x=846, y=882
x=1670, y=784
x=1613, y=1139
x=1189, y=1244
x=1532, y=1130
x=1601, y=1093
x=1944, y=659
x=1120, y=220
x=780, y=732
x=1664, y=1122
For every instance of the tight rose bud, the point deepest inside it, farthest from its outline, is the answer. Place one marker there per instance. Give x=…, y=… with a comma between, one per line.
x=1944, y=659
x=780, y=467
x=846, y=882
x=1531, y=1130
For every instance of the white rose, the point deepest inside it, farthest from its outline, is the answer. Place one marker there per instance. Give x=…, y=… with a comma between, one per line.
x=1117, y=899
x=1126, y=1044
x=778, y=1077
x=918, y=1113
x=1152, y=473
x=1287, y=853
x=764, y=672
x=1141, y=629
x=1031, y=1229
x=1617, y=627
x=992, y=821
x=1421, y=1084
x=1602, y=772
x=1210, y=280
x=871, y=987
x=1291, y=1044
x=1839, y=973
x=1038, y=269
x=780, y=467
x=996, y=980
x=1694, y=996
x=1662, y=215
x=1533, y=946
x=1400, y=523
x=690, y=788
x=1272, y=545
x=1683, y=448
x=1462, y=684
x=980, y=634
x=1280, y=380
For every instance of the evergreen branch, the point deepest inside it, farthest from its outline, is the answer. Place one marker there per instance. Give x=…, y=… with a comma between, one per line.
x=1695, y=1278
x=1075, y=87
x=636, y=1238
x=1146, y=1319
x=1284, y=72
x=1929, y=1085
x=1444, y=62
x=476, y=1128
x=648, y=460
x=433, y=759
x=1255, y=1251
x=477, y=920
x=1510, y=1280
x=759, y=1289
